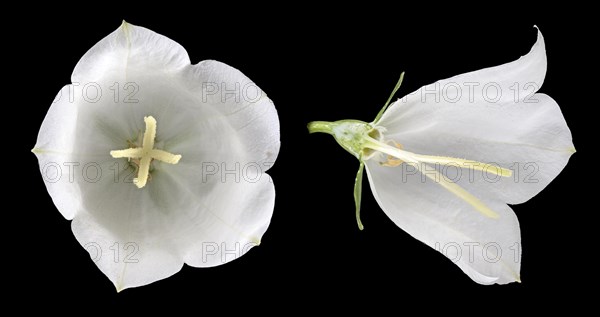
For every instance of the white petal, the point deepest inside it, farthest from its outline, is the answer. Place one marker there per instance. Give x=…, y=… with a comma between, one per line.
x=477, y=87
x=248, y=109
x=130, y=47
x=186, y=209
x=54, y=150
x=178, y=217
x=528, y=134
x=486, y=249
x=235, y=222
x=127, y=231
x=128, y=260
x=210, y=208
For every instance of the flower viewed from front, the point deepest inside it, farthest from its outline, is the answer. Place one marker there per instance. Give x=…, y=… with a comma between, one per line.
x=444, y=162
x=159, y=162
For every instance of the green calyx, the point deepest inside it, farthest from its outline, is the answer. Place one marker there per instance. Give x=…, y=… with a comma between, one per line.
x=350, y=134
x=354, y=136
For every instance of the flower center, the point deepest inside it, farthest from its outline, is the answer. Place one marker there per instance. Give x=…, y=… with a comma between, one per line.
x=144, y=155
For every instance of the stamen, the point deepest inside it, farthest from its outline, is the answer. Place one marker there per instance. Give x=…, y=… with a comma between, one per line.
x=144, y=155
x=416, y=159
x=460, y=192
x=165, y=156
x=392, y=161
x=127, y=153
x=479, y=166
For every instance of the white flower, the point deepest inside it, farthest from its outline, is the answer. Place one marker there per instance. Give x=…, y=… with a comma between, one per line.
x=157, y=161
x=444, y=161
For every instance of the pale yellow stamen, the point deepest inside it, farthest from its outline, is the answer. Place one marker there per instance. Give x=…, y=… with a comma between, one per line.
x=460, y=192
x=479, y=166
x=146, y=153
x=399, y=155
x=392, y=161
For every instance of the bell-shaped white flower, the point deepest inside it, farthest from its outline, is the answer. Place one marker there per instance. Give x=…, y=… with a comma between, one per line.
x=159, y=162
x=444, y=162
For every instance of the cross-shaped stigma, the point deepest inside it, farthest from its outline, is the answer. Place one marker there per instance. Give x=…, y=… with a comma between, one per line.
x=146, y=153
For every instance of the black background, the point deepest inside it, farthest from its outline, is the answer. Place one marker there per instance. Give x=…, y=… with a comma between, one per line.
x=315, y=64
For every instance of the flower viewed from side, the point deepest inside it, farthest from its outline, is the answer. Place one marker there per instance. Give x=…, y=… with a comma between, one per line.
x=444, y=162
x=159, y=162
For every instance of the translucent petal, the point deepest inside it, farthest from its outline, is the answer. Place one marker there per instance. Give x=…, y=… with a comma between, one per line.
x=459, y=117
x=216, y=195
x=486, y=249
x=232, y=224
x=248, y=109
x=54, y=150
x=130, y=47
